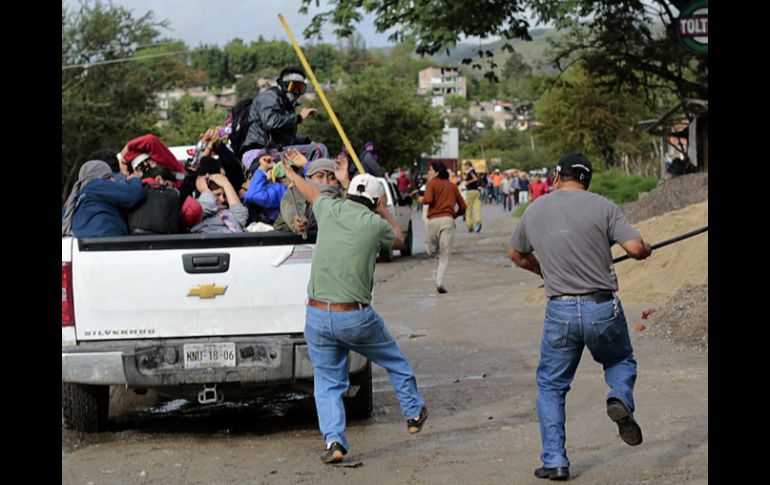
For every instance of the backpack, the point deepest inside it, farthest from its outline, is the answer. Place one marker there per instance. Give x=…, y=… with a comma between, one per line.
x=158, y=213
x=240, y=125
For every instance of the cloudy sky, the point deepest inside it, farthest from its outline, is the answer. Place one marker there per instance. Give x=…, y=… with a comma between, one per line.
x=218, y=21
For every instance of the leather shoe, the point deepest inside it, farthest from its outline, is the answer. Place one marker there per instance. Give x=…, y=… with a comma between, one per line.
x=415, y=425
x=555, y=473
x=333, y=453
x=628, y=428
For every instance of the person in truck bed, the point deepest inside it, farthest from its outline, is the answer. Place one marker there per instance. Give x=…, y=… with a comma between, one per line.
x=323, y=176
x=223, y=210
x=96, y=204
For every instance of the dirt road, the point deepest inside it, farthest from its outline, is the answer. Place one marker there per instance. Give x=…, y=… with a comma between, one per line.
x=475, y=351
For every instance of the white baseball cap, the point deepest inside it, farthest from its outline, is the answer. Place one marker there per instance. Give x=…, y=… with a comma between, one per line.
x=138, y=160
x=365, y=185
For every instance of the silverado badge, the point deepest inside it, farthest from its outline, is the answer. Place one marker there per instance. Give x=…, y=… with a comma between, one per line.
x=207, y=291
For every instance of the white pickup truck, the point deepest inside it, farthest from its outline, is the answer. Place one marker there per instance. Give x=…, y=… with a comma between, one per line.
x=197, y=316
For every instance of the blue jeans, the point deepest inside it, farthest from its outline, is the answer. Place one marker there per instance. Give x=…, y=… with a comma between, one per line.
x=569, y=325
x=330, y=336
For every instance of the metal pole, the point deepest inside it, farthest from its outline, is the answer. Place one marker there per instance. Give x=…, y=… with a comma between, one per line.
x=321, y=95
x=667, y=242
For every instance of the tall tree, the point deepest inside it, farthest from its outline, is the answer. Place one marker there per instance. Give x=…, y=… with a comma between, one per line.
x=240, y=58
x=212, y=61
x=630, y=42
x=578, y=115
x=104, y=104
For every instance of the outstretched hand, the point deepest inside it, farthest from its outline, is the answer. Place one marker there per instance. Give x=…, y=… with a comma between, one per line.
x=296, y=157
x=341, y=170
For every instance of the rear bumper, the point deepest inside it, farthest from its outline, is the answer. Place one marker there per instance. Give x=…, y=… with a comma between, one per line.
x=153, y=363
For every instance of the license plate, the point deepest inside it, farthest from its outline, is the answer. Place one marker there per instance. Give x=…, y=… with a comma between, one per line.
x=204, y=356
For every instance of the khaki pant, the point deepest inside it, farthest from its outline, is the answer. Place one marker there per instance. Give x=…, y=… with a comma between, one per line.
x=441, y=233
x=473, y=212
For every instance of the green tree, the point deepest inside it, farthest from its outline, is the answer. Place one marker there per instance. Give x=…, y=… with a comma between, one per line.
x=167, y=70
x=578, y=115
x=188, y=119
x=432, y=24
x=481, y=88
x=401, y=59
x=104, y=104
x=616, y=39
x=275, y=54
x=213, y=62
x=354, y=56
x=375, y=106
x=630, y=43
x=240, y=58
x=516, y=79
x=246, y=87
x=322, y=58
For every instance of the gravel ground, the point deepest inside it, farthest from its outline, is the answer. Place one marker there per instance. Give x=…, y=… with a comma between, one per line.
x=684, y=319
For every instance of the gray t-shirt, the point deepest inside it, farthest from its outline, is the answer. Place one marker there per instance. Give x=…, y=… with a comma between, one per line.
x=571, y=233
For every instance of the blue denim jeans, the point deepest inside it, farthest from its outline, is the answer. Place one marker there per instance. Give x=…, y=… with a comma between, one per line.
x=330, y=336
x=569, y=325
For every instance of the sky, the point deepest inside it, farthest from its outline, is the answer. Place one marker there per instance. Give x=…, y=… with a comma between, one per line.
x=194, y=22
x=197, y=21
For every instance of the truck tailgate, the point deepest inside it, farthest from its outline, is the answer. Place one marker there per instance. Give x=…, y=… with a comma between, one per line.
x=148, y=292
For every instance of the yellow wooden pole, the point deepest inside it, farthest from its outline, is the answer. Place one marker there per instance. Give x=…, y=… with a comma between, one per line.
x=321, y=95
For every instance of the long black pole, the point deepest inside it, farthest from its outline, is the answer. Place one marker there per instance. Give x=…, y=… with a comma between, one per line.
x=667, y=242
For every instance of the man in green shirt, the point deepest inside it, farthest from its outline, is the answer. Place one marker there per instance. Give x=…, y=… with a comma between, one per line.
x=339, y=316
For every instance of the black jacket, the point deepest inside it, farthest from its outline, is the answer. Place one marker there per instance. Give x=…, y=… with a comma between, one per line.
x=273, y=119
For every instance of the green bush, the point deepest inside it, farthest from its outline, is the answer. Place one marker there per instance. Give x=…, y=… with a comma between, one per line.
x=619, y=187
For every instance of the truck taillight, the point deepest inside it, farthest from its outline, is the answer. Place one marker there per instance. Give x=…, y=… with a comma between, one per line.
x=67, y=311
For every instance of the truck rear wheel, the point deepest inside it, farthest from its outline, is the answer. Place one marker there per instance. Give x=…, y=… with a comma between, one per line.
x=85, y=407
x=361, y=405
x=386, y=256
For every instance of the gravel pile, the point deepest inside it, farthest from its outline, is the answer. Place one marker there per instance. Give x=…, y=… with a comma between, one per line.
x=683, y=319
x=669, y=195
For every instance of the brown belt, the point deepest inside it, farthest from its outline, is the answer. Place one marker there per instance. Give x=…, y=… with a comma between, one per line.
x=336, y=307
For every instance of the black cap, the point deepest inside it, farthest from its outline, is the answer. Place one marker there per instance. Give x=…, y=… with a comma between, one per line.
x=577, y=166
x=209, y=165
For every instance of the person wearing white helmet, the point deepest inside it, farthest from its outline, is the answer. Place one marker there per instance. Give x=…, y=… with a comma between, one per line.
x=339, y=317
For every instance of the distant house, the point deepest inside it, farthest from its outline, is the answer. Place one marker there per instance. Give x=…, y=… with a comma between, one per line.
x=224, y=98
x=503, y=115
x=439, y=82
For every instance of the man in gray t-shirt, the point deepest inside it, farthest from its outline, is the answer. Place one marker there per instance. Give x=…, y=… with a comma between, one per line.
x=571, y=231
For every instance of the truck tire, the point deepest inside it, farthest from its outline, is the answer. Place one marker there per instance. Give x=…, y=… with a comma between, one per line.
x=386, y=256
x=84, y=407
x=361, y=405
x=407, y=249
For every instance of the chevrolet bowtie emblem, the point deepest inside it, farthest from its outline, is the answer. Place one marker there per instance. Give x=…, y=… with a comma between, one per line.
x=207, y=291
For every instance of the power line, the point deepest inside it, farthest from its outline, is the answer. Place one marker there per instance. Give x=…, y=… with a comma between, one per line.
x=141, y=46
x=126, y=59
